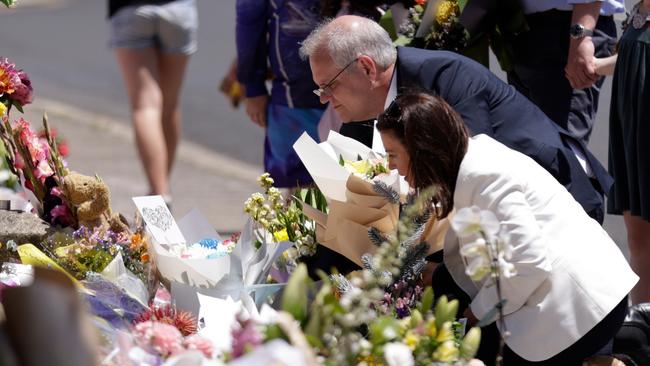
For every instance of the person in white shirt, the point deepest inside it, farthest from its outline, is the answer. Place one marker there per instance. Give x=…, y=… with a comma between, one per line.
x=568, y=297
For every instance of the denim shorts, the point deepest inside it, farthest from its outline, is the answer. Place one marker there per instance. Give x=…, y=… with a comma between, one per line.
x=170, y=27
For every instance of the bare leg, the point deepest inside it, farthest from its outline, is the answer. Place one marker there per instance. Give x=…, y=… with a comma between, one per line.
x=140, y=72
x=638, y=240
x=171, y=71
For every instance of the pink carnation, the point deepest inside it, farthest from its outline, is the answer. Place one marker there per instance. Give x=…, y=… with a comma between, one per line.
x=199, y=343
x=164, y=338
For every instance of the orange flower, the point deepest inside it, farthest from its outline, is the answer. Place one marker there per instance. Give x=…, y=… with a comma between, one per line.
x=136, y=241
x=144, y=258
x=421, y=2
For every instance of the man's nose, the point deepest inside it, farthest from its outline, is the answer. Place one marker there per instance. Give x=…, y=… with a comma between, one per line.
x=324, y=98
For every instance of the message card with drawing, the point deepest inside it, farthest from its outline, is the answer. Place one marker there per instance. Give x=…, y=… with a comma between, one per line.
x=159, y=220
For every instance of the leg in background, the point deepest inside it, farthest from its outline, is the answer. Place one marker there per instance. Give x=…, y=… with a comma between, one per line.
x=171, y=70
x=638, y=240
x=140, y=72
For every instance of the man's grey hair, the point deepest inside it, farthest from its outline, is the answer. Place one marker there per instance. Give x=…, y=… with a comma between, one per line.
x=343, y=44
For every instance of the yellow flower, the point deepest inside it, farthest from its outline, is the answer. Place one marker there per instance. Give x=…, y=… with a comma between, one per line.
x=446, y=9
x=369, y=360
x=281, y=235
x=3, y=109
x=445, y=333
x=359, y=167
x=446, y=352
x=411, y=340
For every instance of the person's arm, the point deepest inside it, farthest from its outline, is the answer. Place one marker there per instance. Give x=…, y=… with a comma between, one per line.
x=507, y=201
x=252, y=54
x=605, y=66
x=580, y=68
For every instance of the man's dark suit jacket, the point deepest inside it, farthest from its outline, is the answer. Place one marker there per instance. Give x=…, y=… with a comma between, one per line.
x=492, y=107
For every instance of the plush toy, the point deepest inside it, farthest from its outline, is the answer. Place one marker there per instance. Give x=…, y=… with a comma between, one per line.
x=90, y=197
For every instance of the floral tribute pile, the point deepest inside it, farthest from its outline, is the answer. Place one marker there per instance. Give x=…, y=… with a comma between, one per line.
x=382, y=314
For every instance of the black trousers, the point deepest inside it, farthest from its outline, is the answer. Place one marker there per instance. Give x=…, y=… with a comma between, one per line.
x=540, y=56
x=588, y=345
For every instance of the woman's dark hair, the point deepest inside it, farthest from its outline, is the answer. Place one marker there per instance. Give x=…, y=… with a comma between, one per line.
x=435, y=138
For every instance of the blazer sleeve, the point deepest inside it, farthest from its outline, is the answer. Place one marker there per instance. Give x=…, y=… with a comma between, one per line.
x=507, y=200
x=252, y=48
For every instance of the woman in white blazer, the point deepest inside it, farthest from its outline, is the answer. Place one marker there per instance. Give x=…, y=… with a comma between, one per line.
x=569, y=295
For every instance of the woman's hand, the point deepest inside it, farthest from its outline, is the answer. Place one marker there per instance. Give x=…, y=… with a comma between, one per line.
x=605, y=66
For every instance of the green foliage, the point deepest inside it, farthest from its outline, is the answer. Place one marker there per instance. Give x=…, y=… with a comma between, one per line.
x=294, y=297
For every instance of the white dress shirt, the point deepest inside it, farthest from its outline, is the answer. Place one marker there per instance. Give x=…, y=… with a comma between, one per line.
x=609, y=7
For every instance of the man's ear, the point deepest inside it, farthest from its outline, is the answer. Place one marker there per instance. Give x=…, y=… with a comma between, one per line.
x=369, y=67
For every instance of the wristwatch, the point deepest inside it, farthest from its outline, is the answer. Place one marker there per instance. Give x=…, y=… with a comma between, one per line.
x=579, y=31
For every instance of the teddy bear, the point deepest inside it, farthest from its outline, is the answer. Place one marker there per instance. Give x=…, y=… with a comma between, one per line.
x=91, y=198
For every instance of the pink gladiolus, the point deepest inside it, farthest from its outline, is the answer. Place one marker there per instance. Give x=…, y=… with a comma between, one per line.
x=43, y=170
x=19, y=163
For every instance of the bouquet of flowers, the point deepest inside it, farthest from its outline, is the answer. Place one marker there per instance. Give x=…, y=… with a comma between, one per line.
x=360, y=191
x=349, y=325
x=191, y=256
x=162, y=335
x=283, y=220
x=433, y=24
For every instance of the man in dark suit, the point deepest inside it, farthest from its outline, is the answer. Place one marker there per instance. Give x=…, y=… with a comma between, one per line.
x=359, y=72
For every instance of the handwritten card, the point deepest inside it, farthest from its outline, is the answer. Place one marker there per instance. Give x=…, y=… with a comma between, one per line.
x=159, y=220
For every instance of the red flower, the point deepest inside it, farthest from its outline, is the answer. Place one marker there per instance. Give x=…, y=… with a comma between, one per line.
x=168, y=314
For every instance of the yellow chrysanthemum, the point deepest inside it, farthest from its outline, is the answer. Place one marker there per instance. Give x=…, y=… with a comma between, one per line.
x=446, y=9
x=3, y=109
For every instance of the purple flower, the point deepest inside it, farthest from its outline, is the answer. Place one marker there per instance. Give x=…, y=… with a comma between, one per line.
x=245, y=337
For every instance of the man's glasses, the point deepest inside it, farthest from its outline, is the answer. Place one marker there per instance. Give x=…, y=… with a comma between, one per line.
x=325, y=89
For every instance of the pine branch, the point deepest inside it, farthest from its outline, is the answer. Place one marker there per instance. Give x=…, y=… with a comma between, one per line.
x=385, y=191
x=366, y=260
x=376, y=236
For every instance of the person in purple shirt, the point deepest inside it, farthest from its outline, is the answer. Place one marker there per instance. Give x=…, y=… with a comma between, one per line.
x=269, y=32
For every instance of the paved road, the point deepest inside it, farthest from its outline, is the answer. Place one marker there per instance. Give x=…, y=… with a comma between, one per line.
x=62, y=44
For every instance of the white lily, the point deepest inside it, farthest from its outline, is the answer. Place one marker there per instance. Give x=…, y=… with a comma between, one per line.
x=398, y=354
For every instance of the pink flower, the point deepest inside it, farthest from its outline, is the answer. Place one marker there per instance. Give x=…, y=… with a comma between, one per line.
x=56, y=191
x=62, y=213
x=245, y=337
x=23, y=93
x=199, y=343
x=9, y=77
x=43, y=170
x=164, y=338
x=19, y=163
